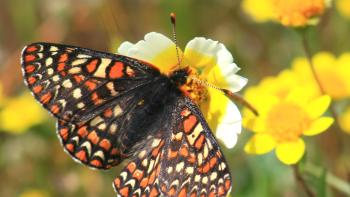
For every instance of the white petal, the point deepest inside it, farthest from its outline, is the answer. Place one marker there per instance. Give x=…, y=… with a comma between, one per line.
x=230, y=126
x=235, y=82
x=124, y=48
x=204, y=46
x=225, y=57
x=228, y=133
x=152, y=45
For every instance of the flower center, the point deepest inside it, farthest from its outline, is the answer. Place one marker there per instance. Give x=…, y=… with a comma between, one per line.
x=297, y=12
x=195, y=91
x=287, y=121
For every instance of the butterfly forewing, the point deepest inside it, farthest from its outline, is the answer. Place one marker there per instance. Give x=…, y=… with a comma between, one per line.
x=91, y=93
x=187, y=163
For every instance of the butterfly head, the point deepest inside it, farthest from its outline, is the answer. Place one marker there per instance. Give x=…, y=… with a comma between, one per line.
x=185, y=80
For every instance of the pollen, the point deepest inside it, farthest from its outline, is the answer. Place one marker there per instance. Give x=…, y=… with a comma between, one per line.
x=287, y=121
x=195, y=91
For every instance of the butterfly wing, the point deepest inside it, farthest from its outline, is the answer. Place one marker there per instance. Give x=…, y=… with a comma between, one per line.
x=183, y=161
x=92, y=94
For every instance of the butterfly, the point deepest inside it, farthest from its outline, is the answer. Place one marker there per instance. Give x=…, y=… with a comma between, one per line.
x=110, y=108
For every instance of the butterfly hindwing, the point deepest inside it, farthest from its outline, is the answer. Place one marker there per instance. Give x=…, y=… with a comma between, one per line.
x=93, y=95
x=187, y=163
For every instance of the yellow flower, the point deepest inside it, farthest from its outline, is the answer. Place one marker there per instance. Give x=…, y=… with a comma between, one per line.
x=33, y=193
x=1, y=96
x=260, y=11
x=332, y=72
x=20, y=113
x=287, y=111
x=344, y=120
x=294, y=13
x=209, y=61
x=343, y=6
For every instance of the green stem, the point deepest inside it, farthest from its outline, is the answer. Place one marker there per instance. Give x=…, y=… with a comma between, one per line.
x=314, y=73
x=301, y=181
x=332, y=180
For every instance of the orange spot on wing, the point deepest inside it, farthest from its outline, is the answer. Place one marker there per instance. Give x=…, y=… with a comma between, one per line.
x=31, y=80
x=90, y=85
x=31, y=49
x=189, y=123
x=29, y=58
x=78, y=78
x=114, y=151
x=213, y=161
x=193, y=194
x=63, y=57
x=81, y=155
x=131, y=167
x=221, y=190
x=108, y=113
x=95, y=98
x=61, y=66
x=199, y=142
x=191, y=158
x=227, y=184
x=144, y=182
x=172, y=154
x=64, y=134
x=183, y=192
x=172, y=191
x=117, y=182
x=154, y=192
x=212, y=194
x=30, y=68
x=45, y=98
x=184, y=151
x=93, y=137
x=152, y=177
x=124, y=191
x=105, y=144
x=205, y=168
x=116, y=70
x=138, y=174
x=96, y=163
x=55, y=109
x=37, y=89
x=70, y=147
x=91, y=67
x=82, y=131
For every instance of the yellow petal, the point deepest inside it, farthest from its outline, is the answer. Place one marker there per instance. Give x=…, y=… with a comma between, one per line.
x=344, y=120
x=318, y=106
x=260, y=144
x=201, y=52
x=290, y=152
x=343, y=7
x=318, y=126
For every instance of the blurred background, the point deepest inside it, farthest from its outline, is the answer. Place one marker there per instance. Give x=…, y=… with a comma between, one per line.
x=32, y=162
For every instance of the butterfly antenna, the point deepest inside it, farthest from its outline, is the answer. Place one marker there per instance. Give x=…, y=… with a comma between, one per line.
x=233, y=96
x=173, y=22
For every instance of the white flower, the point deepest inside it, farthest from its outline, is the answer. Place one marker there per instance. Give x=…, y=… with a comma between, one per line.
x=211, y=62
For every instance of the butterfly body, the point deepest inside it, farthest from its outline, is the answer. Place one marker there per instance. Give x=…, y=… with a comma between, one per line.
x=111, y=108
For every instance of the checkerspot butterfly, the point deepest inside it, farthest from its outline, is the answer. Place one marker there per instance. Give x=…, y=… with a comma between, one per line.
x=111, y=108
